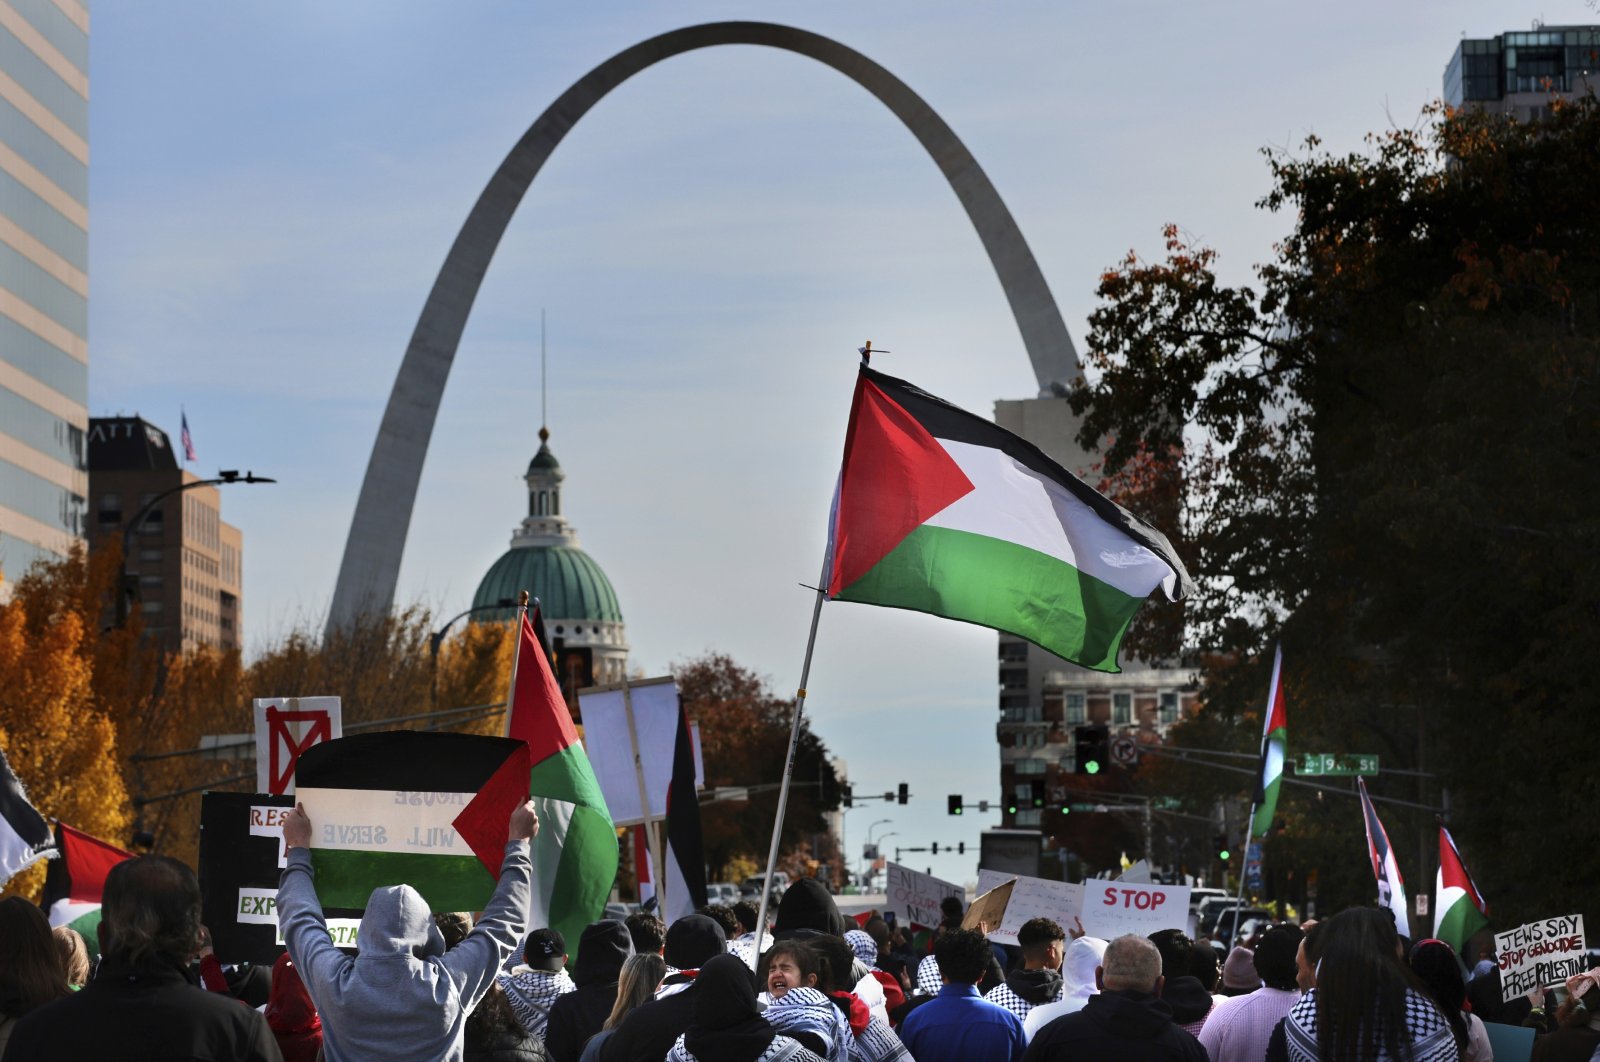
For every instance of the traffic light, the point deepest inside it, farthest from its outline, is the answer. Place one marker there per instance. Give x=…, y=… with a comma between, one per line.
x=1220, y=843
x=847, y=795
x=936, y=848
x=905, y=792
x=954, y=801
x=1011, y=807
x=1093, y=748
x=1037, y=793
x=961, y=848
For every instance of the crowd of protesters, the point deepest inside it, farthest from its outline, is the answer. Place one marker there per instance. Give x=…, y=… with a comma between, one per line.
x=813, y=986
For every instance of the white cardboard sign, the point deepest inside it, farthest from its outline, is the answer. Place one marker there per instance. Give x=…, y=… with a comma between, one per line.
x=610, y=746
x=1539, y=954
x=914, y=897
x=286, y=727
x=1059, y=901
x=1114, y=908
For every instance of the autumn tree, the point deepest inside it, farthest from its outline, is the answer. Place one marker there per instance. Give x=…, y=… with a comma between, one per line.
x=744, y=737
x=1386, y=445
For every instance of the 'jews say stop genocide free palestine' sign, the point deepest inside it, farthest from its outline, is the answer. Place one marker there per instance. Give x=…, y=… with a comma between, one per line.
x=1539, y=954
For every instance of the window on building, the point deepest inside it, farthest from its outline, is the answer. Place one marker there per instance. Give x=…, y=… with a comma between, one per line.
x=1169, y=707
x=1028, y=816
x=1029, y=766
x=1121, y=709
x=1076, y=710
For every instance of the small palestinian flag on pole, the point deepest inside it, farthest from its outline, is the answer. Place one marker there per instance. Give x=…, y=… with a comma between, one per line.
x=404, y=807
x=575, y=854
x=941, y=511
x=1391, y=889
x=75, y=880
x=24, y=835
x=1274, y=738
x=1458, y=907
x=686, y=863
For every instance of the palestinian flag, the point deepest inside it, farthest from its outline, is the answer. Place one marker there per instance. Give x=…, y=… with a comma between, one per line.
x=940, y=511
x=686, y=862
x=1458, y=907
x=75, y=880
x=1274, y=737
x=406, y=807
x=1391, y=889
x=24, y=835
x=575, y=854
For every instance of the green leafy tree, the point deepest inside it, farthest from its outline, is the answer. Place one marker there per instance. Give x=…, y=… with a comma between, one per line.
x=1387, y=448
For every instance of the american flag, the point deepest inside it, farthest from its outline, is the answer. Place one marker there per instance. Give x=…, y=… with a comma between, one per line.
x=188, y=441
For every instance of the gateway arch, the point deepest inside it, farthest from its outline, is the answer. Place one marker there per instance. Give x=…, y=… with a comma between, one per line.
x=372, y=552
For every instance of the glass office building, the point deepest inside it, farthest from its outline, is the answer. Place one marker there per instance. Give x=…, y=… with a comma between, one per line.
x=1520, y=73
x=44, y=278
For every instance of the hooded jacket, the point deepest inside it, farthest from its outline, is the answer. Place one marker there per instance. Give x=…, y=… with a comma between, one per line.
x=807, y=904
x=651, y=1030
x=1188, y=1000
x=1128, y=1026
x=402, y=996
x=578, y=1015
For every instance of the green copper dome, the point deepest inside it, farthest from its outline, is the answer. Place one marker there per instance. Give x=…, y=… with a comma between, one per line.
x=565, y=579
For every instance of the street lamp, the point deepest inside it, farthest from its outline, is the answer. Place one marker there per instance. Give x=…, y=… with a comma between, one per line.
x=436, y=639
x=128, y=591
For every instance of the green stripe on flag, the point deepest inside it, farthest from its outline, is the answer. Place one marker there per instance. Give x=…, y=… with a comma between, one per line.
x=567, y=775
x=447, y=882
x=1458, y=919
x=584, y=878
x=999, y=584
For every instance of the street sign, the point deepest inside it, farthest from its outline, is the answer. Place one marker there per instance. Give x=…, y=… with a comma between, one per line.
x=1125, y=751
x=1336, y=763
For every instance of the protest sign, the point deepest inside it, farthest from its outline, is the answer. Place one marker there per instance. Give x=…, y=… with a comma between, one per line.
x=914, y=897
x=1539, y=954
x=630, y=733
x=1059, y=901
x=241, y=851
x=1114, y=908
x=285, y=728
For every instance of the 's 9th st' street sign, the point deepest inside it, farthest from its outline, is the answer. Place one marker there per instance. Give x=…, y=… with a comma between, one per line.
x=1339, y=763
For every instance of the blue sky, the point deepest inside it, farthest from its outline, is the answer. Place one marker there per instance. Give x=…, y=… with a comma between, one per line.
x=274, y=187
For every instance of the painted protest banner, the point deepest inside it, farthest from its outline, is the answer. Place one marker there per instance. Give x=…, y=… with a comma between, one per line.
x=1059, y=901
x=241, y=851
x=611, y=749
x=1539, y=954
x=914, y=897
x=285, y=728
x=1113, y=908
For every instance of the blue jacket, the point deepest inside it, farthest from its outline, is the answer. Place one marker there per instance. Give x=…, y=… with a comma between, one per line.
x=959, y=1025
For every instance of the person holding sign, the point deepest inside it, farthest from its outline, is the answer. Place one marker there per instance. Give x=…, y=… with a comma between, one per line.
x=403, y=995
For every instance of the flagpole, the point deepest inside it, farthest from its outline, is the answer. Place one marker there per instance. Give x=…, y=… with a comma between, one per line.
x=788, y=764
x=1238, y=902
x=516, y=646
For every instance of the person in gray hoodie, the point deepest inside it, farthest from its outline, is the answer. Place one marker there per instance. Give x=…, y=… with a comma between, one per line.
x=402, y=996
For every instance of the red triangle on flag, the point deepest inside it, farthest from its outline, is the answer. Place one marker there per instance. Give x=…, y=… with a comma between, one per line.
x=896, y=475
x=538, y=712
x=88, y=860
x=484, y=822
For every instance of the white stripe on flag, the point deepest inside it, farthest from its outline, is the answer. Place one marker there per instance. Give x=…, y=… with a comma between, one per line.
x=1015, y=504
x=555, y=818
x=384, y=820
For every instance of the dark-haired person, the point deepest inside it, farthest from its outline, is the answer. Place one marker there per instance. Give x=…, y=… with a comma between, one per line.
x=1436, y=966
x=1181, y=991
x=871, y=1038
x=636, y=985
x=649, y=1031
x=141, y=1004
x=959, y=1025
x=602, y=949
x=1038, y=980
x=1367, y=1004
x=1127, y=1021
x=727, y=1025
x=31, y=969
x=1078, y=970
x=648, y=932
x=532, y=987
x=494, y=1033
x=1238, y=1028
x=799, y=1009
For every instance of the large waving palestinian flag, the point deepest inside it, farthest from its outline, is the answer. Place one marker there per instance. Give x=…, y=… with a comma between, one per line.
x=1391, y=889
x=405, y=807
x=75, y=880
x=1459, y=909
x=575, y=854
x=941, y=511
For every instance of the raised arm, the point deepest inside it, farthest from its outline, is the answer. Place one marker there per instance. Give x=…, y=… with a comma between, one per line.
x=300, y=912
x=473, y=963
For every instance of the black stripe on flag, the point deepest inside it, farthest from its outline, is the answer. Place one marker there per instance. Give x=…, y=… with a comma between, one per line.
x=684, y=841
x=946, y=421
x=19, y=815
x=404, y=760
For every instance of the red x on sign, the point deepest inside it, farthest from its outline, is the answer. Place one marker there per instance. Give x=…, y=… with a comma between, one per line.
x=286, y=748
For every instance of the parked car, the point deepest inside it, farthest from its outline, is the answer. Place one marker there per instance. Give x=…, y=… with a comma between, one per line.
x=751, y=887
x=1200, y=894
x=723, y=892
x=1247, y=916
